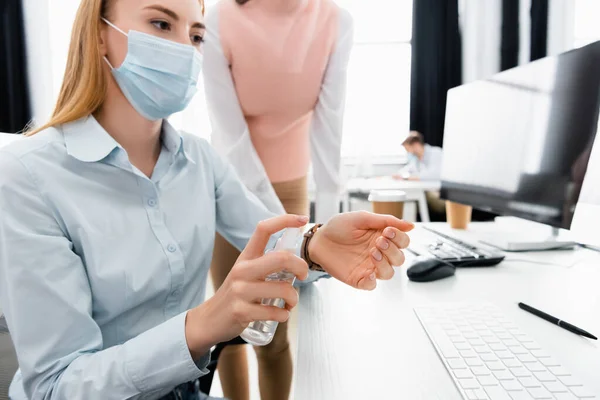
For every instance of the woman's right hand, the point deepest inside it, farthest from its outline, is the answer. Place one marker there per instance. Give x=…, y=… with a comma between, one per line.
x=237, y=303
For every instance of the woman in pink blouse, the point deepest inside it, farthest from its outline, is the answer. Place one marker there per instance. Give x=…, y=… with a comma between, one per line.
x=275, y=79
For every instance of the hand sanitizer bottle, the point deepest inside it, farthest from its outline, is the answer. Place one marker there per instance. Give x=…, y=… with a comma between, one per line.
x=260, y=333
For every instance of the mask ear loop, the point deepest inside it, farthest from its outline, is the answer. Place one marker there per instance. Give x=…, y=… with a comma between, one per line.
x=119, y=30
x=114, y=26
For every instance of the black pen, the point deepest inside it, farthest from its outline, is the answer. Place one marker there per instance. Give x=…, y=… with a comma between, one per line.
x=556, y=321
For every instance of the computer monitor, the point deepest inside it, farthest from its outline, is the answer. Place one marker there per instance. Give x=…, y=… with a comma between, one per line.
x=587, y=212
x=519, y=142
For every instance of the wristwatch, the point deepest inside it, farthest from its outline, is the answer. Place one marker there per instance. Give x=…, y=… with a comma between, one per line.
x=313, y=266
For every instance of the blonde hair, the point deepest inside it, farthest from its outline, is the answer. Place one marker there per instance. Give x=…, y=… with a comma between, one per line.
x=84, y=84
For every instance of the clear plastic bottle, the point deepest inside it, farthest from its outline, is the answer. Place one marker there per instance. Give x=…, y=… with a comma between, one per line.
x=260, y=333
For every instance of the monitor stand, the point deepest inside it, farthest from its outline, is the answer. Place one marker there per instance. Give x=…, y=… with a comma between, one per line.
x=528, y=241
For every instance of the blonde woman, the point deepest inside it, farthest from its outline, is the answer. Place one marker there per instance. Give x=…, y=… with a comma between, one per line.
x=109, y=216
x=275, y=77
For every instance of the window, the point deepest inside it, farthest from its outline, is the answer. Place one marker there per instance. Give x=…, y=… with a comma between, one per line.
x=586, y=29
x=378, y=99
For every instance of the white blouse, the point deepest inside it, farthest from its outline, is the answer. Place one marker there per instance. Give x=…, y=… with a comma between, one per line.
x=231, y=136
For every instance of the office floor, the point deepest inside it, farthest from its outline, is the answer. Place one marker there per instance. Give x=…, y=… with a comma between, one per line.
x=253, y=365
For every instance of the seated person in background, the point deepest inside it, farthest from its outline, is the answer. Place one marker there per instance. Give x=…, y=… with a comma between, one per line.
x=424, y=163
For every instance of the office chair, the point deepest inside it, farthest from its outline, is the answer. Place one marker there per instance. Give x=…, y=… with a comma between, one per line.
x=207, y=380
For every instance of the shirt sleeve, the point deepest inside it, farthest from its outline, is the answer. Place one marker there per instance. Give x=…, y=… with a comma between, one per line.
x=230, y=134
x=431, y=167
x=327, y=124
x=47, y=302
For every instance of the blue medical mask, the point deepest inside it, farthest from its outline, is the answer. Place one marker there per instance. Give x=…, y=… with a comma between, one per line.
x=158, y=76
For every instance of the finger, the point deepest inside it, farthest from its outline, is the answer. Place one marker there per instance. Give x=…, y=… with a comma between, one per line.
x=393, y=254
x=396, y=236
x=275, y=261
x=267, y=228
x=384, y=269
x=257, y=291
x=368, y=282
x=367, y=220
x=258, y=312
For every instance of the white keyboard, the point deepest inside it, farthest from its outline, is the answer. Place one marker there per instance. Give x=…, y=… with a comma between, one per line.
x=490, y=358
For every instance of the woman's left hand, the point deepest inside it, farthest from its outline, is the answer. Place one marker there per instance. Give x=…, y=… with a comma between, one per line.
x=360, y=247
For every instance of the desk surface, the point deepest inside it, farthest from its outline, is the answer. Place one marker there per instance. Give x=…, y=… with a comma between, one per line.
x=365, y=185
x=370, y=345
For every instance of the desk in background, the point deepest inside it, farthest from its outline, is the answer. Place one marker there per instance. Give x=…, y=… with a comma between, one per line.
x=370, y=345
x=415, y=190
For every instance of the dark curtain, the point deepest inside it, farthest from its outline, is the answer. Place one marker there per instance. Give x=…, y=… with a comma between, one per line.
x=539, y=29
x=14, y=92
x=509, y=53
x=436, y=65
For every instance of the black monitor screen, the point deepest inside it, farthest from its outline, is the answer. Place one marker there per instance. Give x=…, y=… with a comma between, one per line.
x=519, y=142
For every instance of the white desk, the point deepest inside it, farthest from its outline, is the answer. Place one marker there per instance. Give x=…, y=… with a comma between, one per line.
x=370, y=345
x=415, y=190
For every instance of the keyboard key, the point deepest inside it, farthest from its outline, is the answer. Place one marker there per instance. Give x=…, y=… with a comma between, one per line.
x=511, y=363
x=458, y=339
x=555, y=387
x=480, y=394
x=471, y=394
x=504, y=336
x=532, y=346
x=529, y=383
x=559, y=371
x=544, y=376
x=512, y=342
x=480, y=371
x=496, y=393
x=582, y=393
x=526, y=358
x=522, y=337
x=540, y=393
x=495, y=366
x=462, y=346
x=473, y=362
x=470, y=335
x=535, y=367
x=497, y=346
x=468, y=353
x=456, y=363
x=490, y=339
x=462, y=373
x=519, y=350
x=522, y=395
x=520, y=372
x=489, y=357
x=481, y=349
x=486, y=333
x=511, y=385
x=565, y=396
x=468, y=383
x=477, y=342
x=569, y=381
x=549, y=362
x=504, y=354
x=487, y=380
x=503, y=375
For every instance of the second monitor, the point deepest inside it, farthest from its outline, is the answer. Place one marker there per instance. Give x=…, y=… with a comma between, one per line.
x=519, y=142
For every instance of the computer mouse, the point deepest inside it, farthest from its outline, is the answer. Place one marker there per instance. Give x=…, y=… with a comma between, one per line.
x=429, y=270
